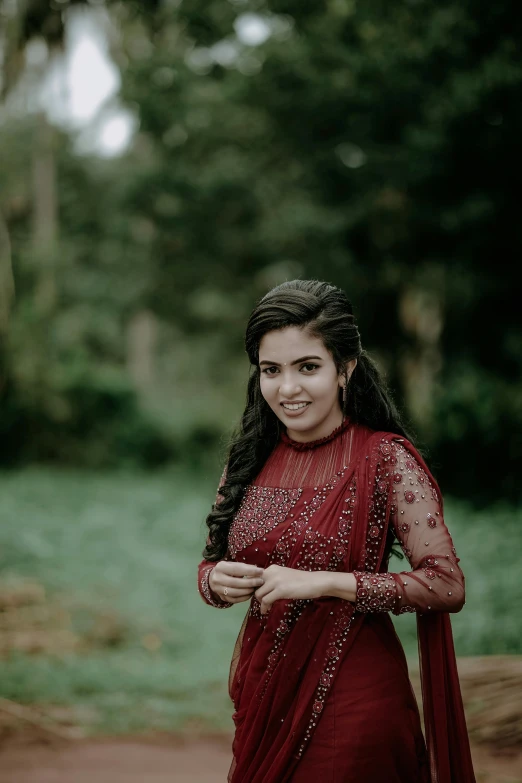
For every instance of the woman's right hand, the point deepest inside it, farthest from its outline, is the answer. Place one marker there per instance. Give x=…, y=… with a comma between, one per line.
x=241, y=579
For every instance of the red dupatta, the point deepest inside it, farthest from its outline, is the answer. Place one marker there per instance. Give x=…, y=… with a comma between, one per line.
x=279, y=681
x=444, y=720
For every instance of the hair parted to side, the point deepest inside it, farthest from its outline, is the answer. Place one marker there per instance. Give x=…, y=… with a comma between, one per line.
x=324, y=311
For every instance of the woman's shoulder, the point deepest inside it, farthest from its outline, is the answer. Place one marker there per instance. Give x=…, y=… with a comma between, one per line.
x=382, y=441
x=395, y=440
x=401, y=453
x=387, y=446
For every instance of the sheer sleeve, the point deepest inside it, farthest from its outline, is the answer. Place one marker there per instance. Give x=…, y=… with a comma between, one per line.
x=205, y=568
x=436, y=581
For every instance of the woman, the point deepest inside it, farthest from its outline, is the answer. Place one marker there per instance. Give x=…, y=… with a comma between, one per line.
x=320, y=481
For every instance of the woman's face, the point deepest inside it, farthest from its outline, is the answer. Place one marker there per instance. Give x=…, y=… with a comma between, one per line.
x=300, y=382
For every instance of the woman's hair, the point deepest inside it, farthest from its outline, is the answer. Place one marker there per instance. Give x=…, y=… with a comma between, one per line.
x=323, y=311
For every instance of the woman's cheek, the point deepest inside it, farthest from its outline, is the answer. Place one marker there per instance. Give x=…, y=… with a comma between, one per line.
x=269, y=399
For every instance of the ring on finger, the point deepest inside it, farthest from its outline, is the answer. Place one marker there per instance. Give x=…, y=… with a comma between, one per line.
x=225, y=591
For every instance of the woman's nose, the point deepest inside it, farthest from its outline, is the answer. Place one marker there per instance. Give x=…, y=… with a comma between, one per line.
x=289, y=388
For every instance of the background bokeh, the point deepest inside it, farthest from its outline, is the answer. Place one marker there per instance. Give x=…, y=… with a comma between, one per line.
x=162, y=165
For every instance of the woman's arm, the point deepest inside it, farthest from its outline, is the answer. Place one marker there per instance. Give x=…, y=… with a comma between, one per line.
x=436, y=582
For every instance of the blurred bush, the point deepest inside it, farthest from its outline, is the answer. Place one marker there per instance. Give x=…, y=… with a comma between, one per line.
x=100, y=424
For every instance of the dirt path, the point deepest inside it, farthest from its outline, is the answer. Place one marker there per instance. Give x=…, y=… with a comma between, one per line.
x=30, y=753
x=116, y=761
x=172, y=760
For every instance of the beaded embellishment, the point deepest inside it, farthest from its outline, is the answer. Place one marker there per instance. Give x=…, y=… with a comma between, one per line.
x=320, y=554
x=261, y=509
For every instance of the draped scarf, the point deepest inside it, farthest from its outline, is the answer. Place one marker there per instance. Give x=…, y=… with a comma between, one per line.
x=280, y=677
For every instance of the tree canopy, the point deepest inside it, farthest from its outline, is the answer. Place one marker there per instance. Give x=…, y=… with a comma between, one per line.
x=370, y=145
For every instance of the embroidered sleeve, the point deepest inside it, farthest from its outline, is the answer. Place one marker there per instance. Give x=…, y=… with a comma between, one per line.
x=436, y=581
x=205, y=568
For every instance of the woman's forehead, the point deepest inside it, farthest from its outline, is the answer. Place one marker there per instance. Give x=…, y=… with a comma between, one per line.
x=287, y=345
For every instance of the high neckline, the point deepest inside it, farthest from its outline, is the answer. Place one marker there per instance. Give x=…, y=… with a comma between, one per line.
x=312, y=444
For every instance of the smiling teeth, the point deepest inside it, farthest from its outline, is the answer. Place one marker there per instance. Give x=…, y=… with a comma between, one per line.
x=295, y=407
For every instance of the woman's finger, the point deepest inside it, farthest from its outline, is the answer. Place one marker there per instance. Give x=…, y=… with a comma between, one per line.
x=249, y=582
x=261, y=592
x=265, y=607
x=239, y=570
x=239, y=584
x=234, y=592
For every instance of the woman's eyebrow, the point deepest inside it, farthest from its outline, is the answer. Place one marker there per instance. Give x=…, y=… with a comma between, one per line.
x=297, y=361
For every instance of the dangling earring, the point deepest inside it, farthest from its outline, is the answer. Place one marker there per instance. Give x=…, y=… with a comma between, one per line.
x=345, y=389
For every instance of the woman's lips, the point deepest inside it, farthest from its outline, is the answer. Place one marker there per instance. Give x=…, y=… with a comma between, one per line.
x=297, y=412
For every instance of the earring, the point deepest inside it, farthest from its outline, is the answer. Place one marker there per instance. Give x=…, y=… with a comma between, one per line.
x=345, y=387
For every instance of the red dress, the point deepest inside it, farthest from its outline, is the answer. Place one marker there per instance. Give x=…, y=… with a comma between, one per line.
x=320, y=687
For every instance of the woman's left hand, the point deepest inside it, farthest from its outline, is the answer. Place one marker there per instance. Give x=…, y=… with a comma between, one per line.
x=281, y=582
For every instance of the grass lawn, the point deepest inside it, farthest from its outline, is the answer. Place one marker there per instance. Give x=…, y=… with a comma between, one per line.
x=99, y=609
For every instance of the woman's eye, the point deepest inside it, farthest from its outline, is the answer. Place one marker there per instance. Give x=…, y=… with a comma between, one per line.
x=309, y=365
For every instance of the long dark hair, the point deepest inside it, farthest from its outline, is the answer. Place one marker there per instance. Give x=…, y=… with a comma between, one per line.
x=325, y=312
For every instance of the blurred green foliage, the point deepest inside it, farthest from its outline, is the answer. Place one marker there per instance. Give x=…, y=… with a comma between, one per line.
x=367, y=144
x=114, y=557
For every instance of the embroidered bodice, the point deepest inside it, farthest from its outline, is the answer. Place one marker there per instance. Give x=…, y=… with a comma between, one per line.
x=295, y=481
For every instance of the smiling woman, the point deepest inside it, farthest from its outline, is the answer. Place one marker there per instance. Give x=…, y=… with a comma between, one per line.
x=299, y=389
x=321, y=478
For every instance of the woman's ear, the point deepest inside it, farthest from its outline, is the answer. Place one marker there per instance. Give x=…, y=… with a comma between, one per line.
x=350, y=367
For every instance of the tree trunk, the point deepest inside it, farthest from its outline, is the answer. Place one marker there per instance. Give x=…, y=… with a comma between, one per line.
x=421, y=315
x=141, y=346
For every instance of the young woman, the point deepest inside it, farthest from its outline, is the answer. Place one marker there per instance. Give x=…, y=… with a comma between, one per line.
x=320, y=480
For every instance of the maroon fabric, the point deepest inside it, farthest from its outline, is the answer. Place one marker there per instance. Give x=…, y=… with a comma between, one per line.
x=334, y=506
x=370, y=725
